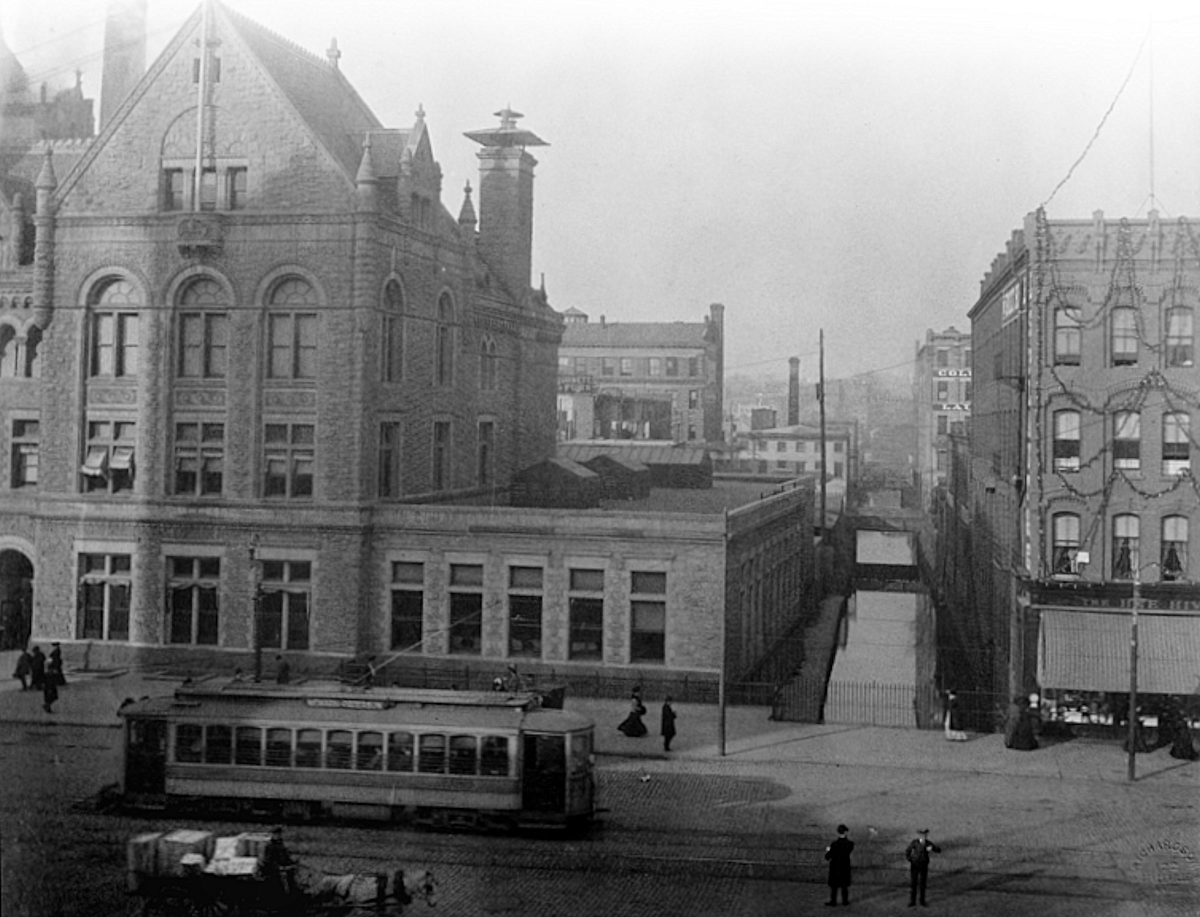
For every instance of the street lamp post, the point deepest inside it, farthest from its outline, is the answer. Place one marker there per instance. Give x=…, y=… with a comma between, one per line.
x=1133, y=661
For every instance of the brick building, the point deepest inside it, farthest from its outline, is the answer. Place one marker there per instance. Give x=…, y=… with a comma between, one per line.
x=1087, y=402
x=942, y=396
x=642, y=380
x=251, y=332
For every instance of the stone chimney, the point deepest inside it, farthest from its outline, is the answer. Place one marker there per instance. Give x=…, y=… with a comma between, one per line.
x=124, y=54
x=793, y=416
x=506, y=201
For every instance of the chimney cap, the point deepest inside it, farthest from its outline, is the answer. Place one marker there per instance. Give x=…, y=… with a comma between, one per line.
x=507, y=134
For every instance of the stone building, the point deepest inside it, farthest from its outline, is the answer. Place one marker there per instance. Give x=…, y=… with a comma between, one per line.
x=1083, y=495
x=251, y=331
x=642, y=380
x=942, y=396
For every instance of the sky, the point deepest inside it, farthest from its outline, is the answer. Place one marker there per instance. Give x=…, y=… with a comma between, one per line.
x=852, y=167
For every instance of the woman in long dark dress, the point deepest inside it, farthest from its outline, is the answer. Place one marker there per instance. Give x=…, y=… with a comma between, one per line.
x=632, y=725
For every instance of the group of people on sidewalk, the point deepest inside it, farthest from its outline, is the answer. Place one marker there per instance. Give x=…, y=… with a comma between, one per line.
x=633, y=726
x=917, y=853
x=38, y=672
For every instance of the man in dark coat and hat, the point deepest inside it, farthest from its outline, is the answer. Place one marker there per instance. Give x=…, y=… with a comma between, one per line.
x=838, y=855
x=37, y=668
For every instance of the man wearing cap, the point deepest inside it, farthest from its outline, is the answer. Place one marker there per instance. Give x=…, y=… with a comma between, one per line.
x=918, y=865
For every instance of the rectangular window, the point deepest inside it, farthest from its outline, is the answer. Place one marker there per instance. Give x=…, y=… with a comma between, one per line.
x=608, y=366
x=199, y=459
x=1127, y=440
x=393, y=348
x=408, y=605
x=174, y=189
x=108, y=464
x=288, y=460
x=441, y=454
x=693, y=399
x=586, y=614
x=105, y=588
x=1066, y=441
x=1180, y=349
x=943, y=391
x=236, y=183
x=400, y=752
x=203, y=345
x=1125, y=545
x=525, y=611
x=672, y=366
x=487, y=448
x=464, y=755
x=1174, y=555
x=292, y=345
x=115, y=344
x=208, y=189
x=943, y=357
x=284, y=601
x=648, y=617
x=389, y=460
x=466, y=609
x=656, y=366
x=626, y=366
x=368, y=755
x=1065, y=543
x=1124, y=337
x=193, y=591
x=693, y=366
x=494, y=756
x=942, y=421
x=1068, y=336
x=431, y=757
x=25, y=447
x=247, y=746
x=1176, y=444
x=279, y=747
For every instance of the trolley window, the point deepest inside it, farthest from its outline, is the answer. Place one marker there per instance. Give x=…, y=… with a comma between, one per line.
x=189, y=743
x=493, y=761
x=339, y=744
x=581, y=751
x=218, y=744
x=370, y=752
x=432, y=759
x=279, y=748
x=308, y=748
x=400, y=752
x=464, y=752
x=247, y=748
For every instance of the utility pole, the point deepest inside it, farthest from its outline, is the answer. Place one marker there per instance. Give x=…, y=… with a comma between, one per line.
x=1133, y=662
x=821, y=403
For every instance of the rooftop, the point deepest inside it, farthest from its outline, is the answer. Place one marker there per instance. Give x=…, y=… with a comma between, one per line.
x=722, y=497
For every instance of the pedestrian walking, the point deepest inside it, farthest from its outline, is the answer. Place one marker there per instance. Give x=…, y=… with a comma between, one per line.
x=632, y=725
x=917, y=855
x=49, y=693
x=23, y=669
x=838, y=855
x=54, y=666
x=283, y=671
x=37, y=668
x=953, y=724
x=668, y=723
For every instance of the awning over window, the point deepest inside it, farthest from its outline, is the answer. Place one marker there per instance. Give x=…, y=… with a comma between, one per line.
x=96, y=463
x=1089, y=651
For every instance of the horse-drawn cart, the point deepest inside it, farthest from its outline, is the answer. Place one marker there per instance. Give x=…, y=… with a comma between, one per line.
x=187, y=873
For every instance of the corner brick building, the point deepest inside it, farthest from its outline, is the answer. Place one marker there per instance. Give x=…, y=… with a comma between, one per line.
x=262, y=393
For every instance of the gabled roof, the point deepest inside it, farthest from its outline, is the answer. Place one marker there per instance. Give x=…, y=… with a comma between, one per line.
x=635, y=334
x=321, y=96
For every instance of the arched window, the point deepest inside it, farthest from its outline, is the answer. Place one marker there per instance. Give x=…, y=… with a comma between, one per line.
x=1124, y=337
x=1179, y=337
x=1127, y=440
x=444, y=354
x=1174, y=561
x=1067, y=335
x=1125, y=545
x=1176, y=443
x=393, y=333
x=203, y=344
x=487, y=365
x=1065, y=542
x=9, y=359
x=292, y=330
x=1066, y=440
x=114, y=328
x=33, y=353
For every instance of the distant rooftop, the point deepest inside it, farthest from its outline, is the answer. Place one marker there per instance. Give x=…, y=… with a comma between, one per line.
x=721, y=497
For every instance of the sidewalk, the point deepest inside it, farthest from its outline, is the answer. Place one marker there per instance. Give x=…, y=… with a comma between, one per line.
x=92, y=699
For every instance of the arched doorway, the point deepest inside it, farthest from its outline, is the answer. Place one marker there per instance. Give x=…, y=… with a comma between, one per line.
x=16, y=599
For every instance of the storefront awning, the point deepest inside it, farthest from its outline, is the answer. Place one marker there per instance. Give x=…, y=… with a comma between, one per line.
x=1089, y=651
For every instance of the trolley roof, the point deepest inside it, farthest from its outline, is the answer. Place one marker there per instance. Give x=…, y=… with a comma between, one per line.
x=322, y=703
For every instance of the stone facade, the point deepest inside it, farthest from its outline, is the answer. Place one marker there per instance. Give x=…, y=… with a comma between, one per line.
x=942, y=395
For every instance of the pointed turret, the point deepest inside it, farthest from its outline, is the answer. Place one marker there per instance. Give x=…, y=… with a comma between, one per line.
x=367, y=180
x=46, y=182
x=466, y=216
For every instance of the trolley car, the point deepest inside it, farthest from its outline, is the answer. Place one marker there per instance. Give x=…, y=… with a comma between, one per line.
x=450, y=759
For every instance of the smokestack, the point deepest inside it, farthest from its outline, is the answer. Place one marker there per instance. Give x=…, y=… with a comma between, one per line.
x=793, y=416
x=124, y=54
x=506, y=200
